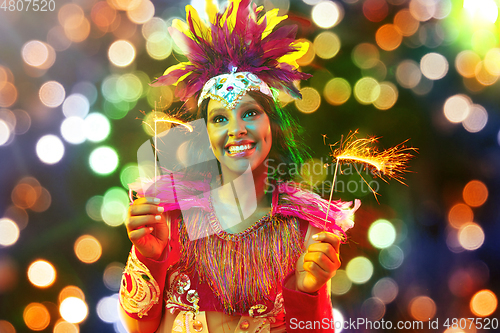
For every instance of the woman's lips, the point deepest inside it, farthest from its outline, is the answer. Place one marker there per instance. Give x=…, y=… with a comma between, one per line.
x=240, y=150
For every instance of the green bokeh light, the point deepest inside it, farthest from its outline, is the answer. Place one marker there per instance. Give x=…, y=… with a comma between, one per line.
x=129, y=174
x=359, y=270
x=114, y=206
x=381, y=234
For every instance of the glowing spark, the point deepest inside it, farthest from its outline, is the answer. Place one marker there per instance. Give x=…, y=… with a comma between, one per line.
x=174, y=121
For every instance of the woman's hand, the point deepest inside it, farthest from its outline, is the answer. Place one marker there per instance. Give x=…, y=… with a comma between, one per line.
x=147, y=227
x=319, y=263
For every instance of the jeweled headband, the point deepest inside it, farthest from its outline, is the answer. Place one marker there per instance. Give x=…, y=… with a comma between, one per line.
x=237, y=51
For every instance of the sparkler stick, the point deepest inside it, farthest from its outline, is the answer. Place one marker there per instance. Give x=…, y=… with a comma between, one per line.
x=391, y=163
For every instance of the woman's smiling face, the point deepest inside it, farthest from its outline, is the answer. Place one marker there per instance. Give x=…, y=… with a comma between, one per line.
x=239, y=136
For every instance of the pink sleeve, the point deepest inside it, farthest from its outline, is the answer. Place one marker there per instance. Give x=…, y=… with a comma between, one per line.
x=307, y=312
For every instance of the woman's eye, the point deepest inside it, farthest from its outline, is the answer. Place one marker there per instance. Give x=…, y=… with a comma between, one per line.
x=250, y=113
x=218, y=119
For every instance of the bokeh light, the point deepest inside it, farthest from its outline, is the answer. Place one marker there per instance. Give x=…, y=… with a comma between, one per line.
x=434, y=66
x=36, y=316
x=476, y=119
x=483, y=76
x=475, y=193
x=386, y=289
x=121, y=53
x=366, y=90
x=93, y=207
x=129, y=174
x=326, y=45
x=388, y=37
x=114, y=206
x=63, y=326
x=466, y=63
x=471, y=236
x=381, y=234
x=17, y=214
x=365, y=55
x=339, y=320
x=96, y=127
x=6, y=327
x=327, y=14
x=129, y=87
x=422, y=308
x=72, y=130
x=103, y=15
x=50, y=149
x=142, y=13
x=73, y=310
x=341, y=283
x=406, y=23
x=483, y=303
x=159, y=45
x=375, y=10
x=457, y=108
x=373, y=309
x=35, y=53
x=337, y=91
x=359, y=270
x=103, y=160
x=310, y=102
x=163, y=97
x=388, y=96
x=492, y=61
x=5, y=132
x=88, y=249
x=391, y=257
x=71, y=291
x=76, y=105
x=41, y=274
x=460, y=214
x=9, y=232
x=307, y=58
x=25, y=194
x=482, y=10
x=107, y=309
x=408, y=74
x=8, y=95
x=422, y=10
x=52, y=94
x=43, y=201
x=113, y=275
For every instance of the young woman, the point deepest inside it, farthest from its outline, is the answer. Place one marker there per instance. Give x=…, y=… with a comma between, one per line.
x=203, y=270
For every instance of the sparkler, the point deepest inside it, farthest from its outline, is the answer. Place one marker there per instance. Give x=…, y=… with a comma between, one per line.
x=390, y=163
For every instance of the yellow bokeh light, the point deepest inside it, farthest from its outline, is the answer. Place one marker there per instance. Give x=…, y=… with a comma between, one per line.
x=52, y=94
x=483, y=303
x=457, y=108
x=8, y=95
x=387, y=97
x=475, y=193
x=466, y=63
x=366, y=90
x=341, y=283
x=492, y=61
x=381, y=234
x=73, y=310
x=434, y=66
x=41, y=274
x=327, y=14
x=422, y=308
x=326, y=45
x=471, y=236
x=310, y=102
x=70, y=15
x=307, y=58
x=483, y=76
x=88, y=249
x=365, y=55
x=359, y=270
x=71, y=291
x=121, y=53
x=9, y=232
x=125, y=4
x=460, y=214
x=159, y=45
x=388, y=37
x=36, y=316
x=482, y=10
x=63, y=326
x=406, y=23
x=337, y=91
x=142, y=13
x=78, y=33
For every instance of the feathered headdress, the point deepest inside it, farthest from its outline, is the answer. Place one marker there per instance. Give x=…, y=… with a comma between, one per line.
x=235, y=39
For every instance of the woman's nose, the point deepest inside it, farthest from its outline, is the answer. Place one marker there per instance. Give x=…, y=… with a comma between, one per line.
x=236, y=127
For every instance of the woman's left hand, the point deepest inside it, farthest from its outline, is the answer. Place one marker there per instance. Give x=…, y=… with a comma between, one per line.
x=319, y=263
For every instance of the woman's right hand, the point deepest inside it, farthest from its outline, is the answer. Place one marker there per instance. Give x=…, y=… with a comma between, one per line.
x=147, y=227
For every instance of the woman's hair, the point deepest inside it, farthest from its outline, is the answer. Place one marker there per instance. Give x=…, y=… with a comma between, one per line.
x=288, y=150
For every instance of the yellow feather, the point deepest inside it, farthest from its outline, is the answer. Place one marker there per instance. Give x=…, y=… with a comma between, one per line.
x=211, y=10
x=200, y=28
x=180, y=65
x=291, y=58
x=272, y=20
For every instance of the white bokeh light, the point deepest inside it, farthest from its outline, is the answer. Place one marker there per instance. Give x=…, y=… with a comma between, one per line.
x=96, y=127
x=103, y=160
x=76, y=105
x=327, y=14
x=50, y=149
x=107, y=309
x=73, y=310
x=72, y=130
x=4, y=132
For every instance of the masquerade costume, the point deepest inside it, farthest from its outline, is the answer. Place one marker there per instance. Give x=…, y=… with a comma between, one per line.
x=244, y=274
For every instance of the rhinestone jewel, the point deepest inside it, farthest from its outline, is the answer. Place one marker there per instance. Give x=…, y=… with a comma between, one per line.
x=244, y=325
x=197, y=326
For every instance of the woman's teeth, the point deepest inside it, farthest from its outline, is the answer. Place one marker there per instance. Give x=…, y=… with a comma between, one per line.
x=239, y=149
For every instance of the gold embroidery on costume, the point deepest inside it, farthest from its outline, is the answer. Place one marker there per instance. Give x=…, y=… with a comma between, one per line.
x=271, y=315
x=179, y=290
x=145, y=291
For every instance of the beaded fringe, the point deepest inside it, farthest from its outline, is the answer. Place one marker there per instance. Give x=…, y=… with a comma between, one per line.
x=244, y=271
